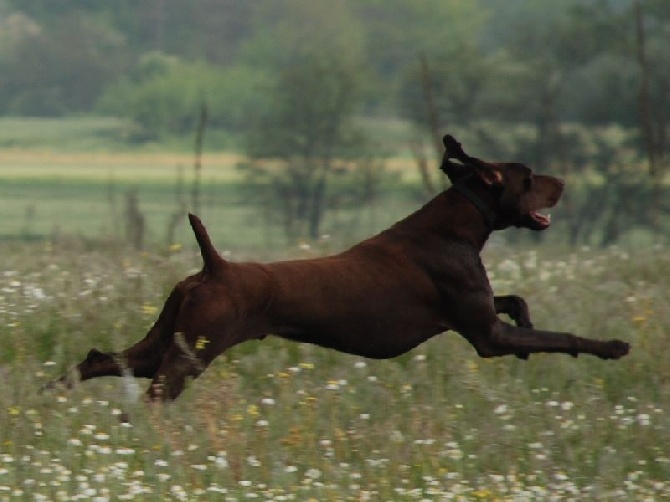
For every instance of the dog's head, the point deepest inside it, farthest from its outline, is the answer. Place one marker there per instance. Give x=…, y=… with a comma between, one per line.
x=513, y=193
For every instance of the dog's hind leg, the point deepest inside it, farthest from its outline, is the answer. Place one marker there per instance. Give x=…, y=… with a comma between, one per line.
x=141, y=360
x=202, y=333
x=180, y=363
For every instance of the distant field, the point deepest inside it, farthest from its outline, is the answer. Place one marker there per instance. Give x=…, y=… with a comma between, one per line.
x=46, y=193
x=83, y=193
x=78, y=134
x=71, y=176
x=83, y=134
x=109, y=167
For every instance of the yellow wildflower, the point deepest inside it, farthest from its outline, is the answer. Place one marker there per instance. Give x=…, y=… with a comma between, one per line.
x=201, y=342
x=149, y=309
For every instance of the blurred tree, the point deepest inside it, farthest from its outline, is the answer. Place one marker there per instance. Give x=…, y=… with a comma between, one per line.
x=198, y=29
x=654, y=105
x=400, y=32
x=209, y=30
x=45, y=10
x=444, y=35
x=565, y=64
x=60, y=68
x=164, y=95
x=303, y=137
x=602, y=91
x=306, y=130
x=15, y=28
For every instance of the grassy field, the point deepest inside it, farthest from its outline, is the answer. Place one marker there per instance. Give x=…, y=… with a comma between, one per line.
x=274, y=420
x=278, y=421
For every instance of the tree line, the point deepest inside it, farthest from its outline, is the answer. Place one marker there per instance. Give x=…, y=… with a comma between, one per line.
x=510, y=60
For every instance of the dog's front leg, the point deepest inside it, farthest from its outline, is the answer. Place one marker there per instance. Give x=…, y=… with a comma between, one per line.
x=515, y=307
x=515, y=340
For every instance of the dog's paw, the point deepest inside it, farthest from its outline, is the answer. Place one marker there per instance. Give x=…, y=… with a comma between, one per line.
x=615, y=349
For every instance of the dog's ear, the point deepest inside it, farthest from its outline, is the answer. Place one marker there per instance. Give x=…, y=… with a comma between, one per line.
x=453, y=149
x=454, y=170
x=489, y=173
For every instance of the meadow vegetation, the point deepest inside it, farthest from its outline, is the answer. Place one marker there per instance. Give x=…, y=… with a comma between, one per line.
x=275, y=420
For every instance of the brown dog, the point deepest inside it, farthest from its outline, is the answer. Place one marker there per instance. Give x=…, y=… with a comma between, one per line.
x=379, y=299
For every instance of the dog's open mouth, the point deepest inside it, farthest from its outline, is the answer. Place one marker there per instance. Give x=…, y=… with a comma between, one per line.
x=537, y=221
x=542, y=220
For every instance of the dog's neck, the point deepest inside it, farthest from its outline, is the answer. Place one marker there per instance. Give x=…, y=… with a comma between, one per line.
x=448, y=216
x=484, y=207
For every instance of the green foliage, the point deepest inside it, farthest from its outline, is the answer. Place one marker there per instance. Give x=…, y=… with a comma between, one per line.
x=56, y=69
x=165, y=95
x=441, y=34
x=465, y=85
x=600, y=93
x=511, y=60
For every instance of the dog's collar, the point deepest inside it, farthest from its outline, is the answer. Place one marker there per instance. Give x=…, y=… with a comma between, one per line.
x=487, y=212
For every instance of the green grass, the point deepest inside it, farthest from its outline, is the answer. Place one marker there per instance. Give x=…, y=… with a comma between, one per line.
x=283, y=421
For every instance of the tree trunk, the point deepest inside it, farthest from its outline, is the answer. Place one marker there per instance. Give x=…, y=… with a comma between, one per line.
x=317, y=207
x=646, y=121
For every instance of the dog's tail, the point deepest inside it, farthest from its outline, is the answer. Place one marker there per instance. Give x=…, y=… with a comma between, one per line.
x=211, y=258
